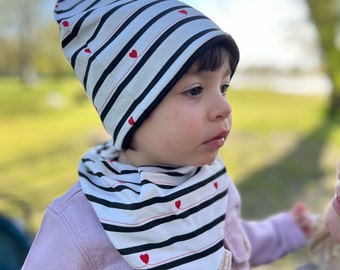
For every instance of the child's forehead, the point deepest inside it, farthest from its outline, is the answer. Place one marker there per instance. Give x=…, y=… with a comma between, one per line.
x=198, y=66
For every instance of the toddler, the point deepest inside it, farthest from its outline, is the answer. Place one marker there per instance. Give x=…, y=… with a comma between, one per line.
x=157, y=195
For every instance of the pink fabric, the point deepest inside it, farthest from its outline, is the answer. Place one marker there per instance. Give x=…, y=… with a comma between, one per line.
x=71, y=237
x=254, y=243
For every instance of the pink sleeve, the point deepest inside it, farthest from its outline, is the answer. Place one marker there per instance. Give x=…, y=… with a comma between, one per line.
x=71, y=237
x=54, y=247
x=273, y=238
x=259, y=242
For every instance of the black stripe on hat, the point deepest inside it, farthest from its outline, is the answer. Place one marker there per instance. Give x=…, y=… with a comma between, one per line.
x=143, y=60
x=58, y=12
x=75, y=30
x=126, y=48
x=74, y=56
x=106, y=16
x=110, y=67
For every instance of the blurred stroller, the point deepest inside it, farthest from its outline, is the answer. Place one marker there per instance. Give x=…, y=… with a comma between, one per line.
x=14, y=240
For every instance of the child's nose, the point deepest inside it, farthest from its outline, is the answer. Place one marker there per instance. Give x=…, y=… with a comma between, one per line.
x=220, y=107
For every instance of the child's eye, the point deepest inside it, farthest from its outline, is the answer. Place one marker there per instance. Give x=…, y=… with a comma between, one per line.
x=224, y=89
x=194, y=92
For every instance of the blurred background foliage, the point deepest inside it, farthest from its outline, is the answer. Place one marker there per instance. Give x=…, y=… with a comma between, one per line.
x=326, y=17
x=29, y=41
x=283, y=147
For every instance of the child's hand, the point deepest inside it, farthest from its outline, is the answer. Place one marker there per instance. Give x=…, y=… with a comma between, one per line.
x=332, y=213
x=303, y=218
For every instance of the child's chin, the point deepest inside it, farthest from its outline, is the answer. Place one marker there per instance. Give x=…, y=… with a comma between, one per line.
x=206, y=161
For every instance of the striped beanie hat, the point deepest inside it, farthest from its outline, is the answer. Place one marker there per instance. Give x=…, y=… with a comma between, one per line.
x=128, y=54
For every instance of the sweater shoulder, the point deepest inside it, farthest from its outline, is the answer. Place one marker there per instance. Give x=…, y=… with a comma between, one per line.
x=87, y=232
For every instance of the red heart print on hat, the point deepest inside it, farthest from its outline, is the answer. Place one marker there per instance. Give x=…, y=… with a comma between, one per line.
x=216, y=185
x=183, y=12
x=87, y=50
x=131, y=121
x=65, y=23
x=178, y=204
x=144, y=258
x=133, y=54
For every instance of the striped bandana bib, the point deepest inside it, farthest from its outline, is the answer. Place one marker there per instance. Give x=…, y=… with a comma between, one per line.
x=158, y=217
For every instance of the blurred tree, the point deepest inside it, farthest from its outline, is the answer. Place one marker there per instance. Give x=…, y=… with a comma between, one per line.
x=29, y=40
x=8, y=56
x=20, y=24
x=27, y=27
x=326, y=17
x=50, y=60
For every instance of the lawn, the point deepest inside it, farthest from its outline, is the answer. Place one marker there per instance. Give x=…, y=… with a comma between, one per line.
x=281, y=149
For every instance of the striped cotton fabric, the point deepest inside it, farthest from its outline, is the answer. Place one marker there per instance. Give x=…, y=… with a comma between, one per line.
x=158, y=217
x=129, y=53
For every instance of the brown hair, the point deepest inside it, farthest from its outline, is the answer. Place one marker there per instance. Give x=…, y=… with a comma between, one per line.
x=213, y=58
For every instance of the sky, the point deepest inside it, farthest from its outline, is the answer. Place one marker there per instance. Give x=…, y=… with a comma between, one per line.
x=269, y=33
x=274, y=33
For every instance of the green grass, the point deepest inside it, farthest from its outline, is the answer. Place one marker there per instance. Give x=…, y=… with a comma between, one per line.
x=281, y=149
x=42, y=141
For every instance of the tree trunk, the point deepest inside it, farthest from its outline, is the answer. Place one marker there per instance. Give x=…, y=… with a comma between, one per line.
x=326, y=17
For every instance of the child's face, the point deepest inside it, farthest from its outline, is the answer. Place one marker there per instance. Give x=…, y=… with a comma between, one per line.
x=190, y=124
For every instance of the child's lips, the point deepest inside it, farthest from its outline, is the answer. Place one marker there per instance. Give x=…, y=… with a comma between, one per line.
x=218, y=140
